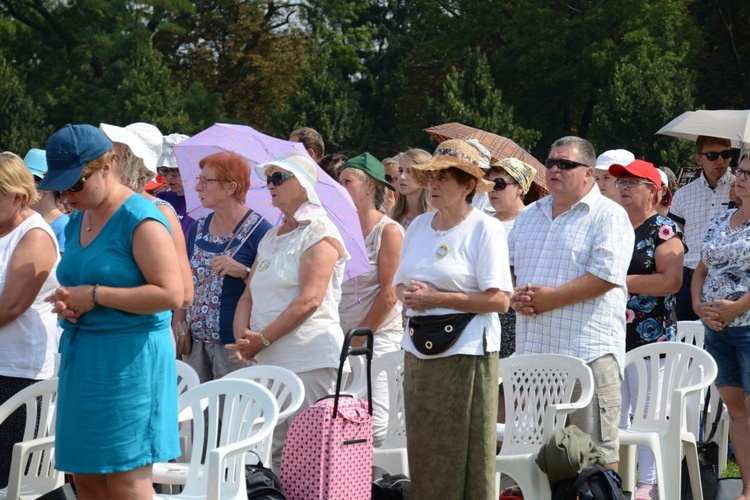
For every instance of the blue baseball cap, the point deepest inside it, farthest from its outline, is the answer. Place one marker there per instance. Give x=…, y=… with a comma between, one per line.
x=68, y=151
x=36, y=162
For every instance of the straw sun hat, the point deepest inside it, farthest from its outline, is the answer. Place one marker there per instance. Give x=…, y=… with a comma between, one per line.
x=453, y=153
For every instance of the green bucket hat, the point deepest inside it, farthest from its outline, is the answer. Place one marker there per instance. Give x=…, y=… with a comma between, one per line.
x=371, y=166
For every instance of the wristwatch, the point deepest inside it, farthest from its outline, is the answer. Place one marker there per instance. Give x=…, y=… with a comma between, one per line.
x=263, y=339
x=247, y=273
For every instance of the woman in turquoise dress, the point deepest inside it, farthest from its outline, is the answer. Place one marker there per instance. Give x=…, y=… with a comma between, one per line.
x=117, y=400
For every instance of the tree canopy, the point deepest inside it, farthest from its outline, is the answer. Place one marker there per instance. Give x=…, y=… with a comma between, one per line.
x=372, y=74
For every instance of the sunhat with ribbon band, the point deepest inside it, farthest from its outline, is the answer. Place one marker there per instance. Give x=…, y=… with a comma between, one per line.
x=454, y=153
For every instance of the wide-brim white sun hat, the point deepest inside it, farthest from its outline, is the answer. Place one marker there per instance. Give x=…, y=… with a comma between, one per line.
x=140, y=148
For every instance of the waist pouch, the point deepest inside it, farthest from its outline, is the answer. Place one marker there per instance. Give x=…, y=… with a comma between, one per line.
x=437, y=333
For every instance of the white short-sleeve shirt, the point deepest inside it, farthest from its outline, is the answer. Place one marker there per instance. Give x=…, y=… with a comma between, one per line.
x=317, y=342
x=471, y=257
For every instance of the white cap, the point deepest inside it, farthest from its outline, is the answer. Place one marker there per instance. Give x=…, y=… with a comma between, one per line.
x=614, y=156
x=664, y=178
x=485, y=157
x=167, y=158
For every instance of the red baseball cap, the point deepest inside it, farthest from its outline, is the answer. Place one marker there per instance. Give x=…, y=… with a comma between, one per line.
x=638, y=168
x=155, y=183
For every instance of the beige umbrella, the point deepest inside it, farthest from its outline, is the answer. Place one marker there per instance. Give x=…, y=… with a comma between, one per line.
x=723, y=123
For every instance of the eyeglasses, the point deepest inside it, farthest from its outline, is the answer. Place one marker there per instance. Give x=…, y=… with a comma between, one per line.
x=165, y=171
x=389, y=178
x=631, y=183
x=205, y=180
x=501, y=184
x=745, y=174
x=78, y=186
x=714, y=155
x=563, y=164
x=277, y=178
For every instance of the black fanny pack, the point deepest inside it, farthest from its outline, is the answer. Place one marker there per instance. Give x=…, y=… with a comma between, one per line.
x=437, y=333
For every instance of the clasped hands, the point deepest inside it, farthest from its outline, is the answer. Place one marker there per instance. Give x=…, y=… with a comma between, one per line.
x=531, y=300
x=70, y=302
x=718, y=314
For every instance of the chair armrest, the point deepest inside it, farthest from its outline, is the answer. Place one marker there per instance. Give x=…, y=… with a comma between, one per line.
x=218, y=456
x=21, y=452
x=554, y=410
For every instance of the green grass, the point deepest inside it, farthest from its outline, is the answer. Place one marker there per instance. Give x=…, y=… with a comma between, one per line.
x=732, y=470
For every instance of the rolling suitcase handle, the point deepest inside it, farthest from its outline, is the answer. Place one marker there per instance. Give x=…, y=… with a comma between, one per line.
x=356, y=351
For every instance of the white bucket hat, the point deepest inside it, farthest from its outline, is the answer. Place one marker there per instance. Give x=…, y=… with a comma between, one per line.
x=302, y=166
x=143, y=139
x=167, y=158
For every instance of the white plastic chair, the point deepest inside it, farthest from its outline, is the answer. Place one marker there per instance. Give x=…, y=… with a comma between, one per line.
x=538, y=396
x=241, y=415
x=169, y=473
x=391, y=455
x=693, y=332
x=32, y=470
x=285, y=386
x=663, y=428
x=356, y=383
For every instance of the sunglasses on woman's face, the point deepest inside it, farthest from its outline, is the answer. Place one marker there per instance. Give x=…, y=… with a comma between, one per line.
x=277, y=178
x=78, y=186
x=501, y=184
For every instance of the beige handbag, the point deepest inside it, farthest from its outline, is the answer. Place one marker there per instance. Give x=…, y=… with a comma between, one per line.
x=183, y=338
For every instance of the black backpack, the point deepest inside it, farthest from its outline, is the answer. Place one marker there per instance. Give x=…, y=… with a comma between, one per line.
x=592, y=483
x=262, y=483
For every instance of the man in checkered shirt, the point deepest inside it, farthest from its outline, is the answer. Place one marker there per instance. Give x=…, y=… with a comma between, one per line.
x=570, y=252
x=696, y=204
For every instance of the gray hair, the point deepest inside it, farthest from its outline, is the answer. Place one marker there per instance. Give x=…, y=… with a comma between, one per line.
x=584, y=147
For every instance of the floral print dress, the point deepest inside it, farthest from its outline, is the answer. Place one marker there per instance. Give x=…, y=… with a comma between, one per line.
x=650, y=319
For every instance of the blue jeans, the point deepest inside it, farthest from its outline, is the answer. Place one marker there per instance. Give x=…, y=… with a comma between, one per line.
x=730, y=349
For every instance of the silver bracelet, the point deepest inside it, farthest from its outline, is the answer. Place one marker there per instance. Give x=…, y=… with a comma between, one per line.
x=93, y=293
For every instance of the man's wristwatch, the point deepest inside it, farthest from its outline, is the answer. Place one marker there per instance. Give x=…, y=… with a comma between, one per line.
x=247, y=273
x=263, y=339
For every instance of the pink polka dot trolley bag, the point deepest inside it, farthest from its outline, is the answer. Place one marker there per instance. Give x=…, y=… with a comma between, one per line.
x=328, y=449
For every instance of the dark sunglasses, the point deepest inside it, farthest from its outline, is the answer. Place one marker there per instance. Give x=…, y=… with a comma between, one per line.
x=745, y=174
x=563, y=164
x=165, y=171
x=277, y=178
x=501, y=184
x=78, y=186
x=389, y=178
x=714, y=155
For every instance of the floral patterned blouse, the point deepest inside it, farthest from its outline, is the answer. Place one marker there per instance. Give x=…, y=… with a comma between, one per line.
x=210, y=317
x=650, y=319
x=726, y=254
